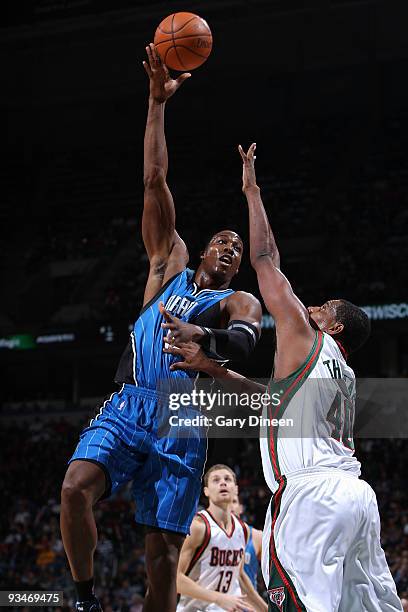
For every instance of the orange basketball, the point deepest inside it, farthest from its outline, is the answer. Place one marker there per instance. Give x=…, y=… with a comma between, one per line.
x=183, y=41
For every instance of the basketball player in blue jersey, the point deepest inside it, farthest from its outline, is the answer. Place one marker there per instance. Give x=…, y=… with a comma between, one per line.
x=253, y=549
x=122, y=443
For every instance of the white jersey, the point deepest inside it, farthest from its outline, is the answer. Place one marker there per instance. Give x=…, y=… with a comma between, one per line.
x=315, y=407
x=216, y=563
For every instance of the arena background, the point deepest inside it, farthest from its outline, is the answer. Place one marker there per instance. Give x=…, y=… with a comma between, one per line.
x=321, y=87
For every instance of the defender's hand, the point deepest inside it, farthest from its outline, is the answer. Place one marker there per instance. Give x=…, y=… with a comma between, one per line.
x=248, y=169
x=179, y=331
x=162, y=86
x=193, y=355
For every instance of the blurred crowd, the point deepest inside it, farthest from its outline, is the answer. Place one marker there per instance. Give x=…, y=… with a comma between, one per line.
x=31, y=552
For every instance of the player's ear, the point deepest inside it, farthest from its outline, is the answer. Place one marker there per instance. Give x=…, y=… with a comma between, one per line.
x=237, y=271
x=336, y=328
x=206, y=493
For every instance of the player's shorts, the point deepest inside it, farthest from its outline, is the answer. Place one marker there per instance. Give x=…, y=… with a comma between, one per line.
x=321, y=546
x=166, y=471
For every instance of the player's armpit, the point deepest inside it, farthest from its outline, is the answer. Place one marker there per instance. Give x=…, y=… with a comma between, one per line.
x=163, y=268
x=178, y=258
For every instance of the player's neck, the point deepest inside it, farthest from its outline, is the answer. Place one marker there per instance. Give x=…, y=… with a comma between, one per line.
x=222, y=514
x=207, y=281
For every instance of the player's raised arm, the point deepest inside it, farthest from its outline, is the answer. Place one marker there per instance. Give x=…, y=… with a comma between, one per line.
x=290, y=315
x=186, y=586
x=158, y=223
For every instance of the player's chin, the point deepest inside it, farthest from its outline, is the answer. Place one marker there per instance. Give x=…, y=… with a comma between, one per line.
x=220, y=271
x=225, y=497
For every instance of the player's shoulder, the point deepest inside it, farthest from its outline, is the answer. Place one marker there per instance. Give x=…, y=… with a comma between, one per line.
x=199, y=523
x=199, y=528
x=244, y=299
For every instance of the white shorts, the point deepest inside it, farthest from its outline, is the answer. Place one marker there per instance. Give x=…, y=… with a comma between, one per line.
x=325, y=553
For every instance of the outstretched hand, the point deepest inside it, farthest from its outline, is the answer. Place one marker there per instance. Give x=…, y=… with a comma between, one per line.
x=178, y=331
x=248, y=169
x=193, y=355
x=162, y=86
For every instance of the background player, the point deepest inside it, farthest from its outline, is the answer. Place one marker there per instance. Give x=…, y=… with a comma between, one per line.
x=253, y=550
x=121, y=443
x=211, y=567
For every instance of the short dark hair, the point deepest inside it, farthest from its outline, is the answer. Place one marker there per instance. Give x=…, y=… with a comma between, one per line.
x=357, y=326
x=215, y=468
x=214, y=234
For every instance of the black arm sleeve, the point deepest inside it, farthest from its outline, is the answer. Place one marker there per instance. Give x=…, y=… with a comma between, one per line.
x=236, y=342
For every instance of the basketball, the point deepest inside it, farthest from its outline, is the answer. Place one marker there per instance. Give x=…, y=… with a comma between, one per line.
x=183, y=41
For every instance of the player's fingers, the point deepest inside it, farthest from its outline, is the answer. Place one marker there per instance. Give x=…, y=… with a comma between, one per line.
x=172, y=350
x=169, y=326
x=183, y=77
x=147, y=68
x=156, y=57
x=165, y=314
x=241, y=152
x=251, y=151
x=179, y=365
x=169, y=339
x=149, y=55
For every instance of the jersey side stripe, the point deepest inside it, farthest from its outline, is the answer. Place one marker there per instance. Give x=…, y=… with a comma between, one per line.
x=273, y=433
x=273, y=560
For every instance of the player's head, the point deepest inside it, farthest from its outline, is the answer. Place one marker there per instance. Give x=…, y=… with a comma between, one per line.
x=236, y=506
x=346, y=322
x=222, y=255
x=220, y=484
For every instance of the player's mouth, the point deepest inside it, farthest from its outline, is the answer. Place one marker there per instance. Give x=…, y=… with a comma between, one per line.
x=226, y=260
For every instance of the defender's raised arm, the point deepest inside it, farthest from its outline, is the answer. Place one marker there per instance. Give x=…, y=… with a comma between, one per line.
x=290, y=315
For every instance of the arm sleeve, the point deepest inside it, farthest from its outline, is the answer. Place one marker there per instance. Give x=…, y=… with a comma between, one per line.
x=236, y=342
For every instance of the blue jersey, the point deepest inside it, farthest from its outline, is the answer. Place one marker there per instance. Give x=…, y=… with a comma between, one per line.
x=251, y=566
x=182, y=298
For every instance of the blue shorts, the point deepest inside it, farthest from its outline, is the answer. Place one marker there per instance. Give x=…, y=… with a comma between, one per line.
x=166, y=471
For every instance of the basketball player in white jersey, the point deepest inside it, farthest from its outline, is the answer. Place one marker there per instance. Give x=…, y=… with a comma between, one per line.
x=211, y=567
x=321, y=541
